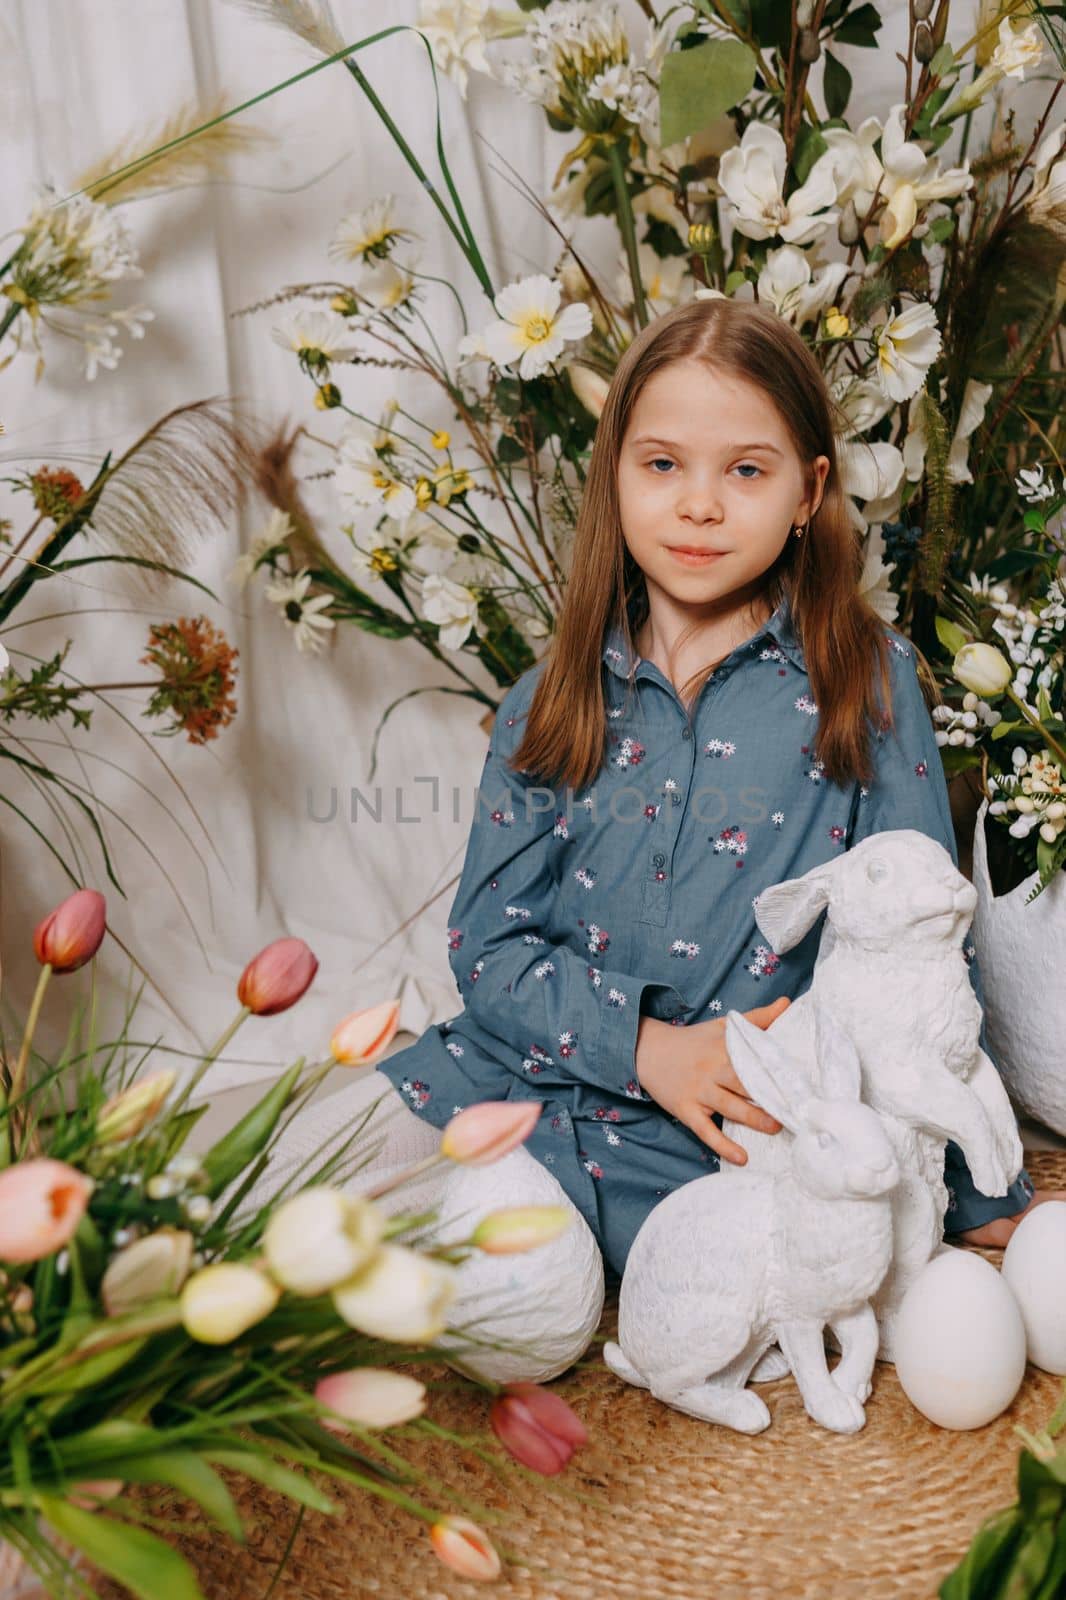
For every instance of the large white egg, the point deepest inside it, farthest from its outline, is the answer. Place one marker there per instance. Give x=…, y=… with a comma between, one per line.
x=1034, y=1265
x=959, y=1341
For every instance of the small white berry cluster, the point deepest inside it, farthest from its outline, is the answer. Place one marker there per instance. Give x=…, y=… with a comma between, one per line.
x=961, y=725
x=1033, y=638
x=1034, y=794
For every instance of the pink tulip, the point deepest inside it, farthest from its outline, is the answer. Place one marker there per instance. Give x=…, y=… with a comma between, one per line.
x=483, y=1133
x=364, y=1035
x=536, y=1427
x=370, y=1397
x=464, y=1547
x=276, y=978
x=71, y=935
x=41, y=1204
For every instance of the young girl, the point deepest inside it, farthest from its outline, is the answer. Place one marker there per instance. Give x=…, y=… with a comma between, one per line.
x=708, y=721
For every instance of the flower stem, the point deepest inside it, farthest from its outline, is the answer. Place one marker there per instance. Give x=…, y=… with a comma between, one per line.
x=1036, y=723
x=416, y=1171
x=626, y=227
x=19, y=1075
x=212, y=1055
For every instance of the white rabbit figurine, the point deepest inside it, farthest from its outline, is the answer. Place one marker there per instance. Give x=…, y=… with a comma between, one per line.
x=891, y=972
x=729, y=1263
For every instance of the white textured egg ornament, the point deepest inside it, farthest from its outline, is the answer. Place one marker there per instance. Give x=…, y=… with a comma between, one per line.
x=1034, y=1267
x=959, y=1341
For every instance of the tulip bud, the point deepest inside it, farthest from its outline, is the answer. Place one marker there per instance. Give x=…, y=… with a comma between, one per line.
x=276, y=978
x=518, y=1228
x=370, y=1397
x=127, y=1113
x=71, y=935
x=536, y=1427
x=400, y=1295
x=983, y=669
x=151, y=1268
x=321, y=1238
x=90, y=1493
x=484, y=1132
x=464, y=1547
x=41, y=1204
x=224, y=1300
x=364, y=1035
x=590, y=388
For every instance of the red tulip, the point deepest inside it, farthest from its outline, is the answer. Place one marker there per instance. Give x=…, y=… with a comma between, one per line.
x=537, y=1427
x=71, y=935
x=277, y=977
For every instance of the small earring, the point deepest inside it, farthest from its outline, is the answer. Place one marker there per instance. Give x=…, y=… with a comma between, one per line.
x=798, y=532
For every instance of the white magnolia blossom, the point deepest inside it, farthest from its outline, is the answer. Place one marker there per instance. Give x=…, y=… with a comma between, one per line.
x=907, y=346
x=532, y=330
x=278, y=530
x=856, y=169
x=787, y=284
x=459, y=30
x=872, y=471
x=874, y=584
x=301, y=616
x=911, y=179
x=452, y=607
x=752, y=178
x=366, y=479
x=665, y=279
x=863, y=402
x=367, y=235
x=971, y=413
x=317, y=333
x=1046, y=200
x=70, y=257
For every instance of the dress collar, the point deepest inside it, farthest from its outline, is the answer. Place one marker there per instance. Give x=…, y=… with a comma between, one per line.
x=781, y=628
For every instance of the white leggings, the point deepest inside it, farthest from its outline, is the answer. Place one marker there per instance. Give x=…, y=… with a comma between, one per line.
x=523, y=1317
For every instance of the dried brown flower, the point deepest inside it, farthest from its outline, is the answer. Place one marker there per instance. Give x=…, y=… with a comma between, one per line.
x=198, y=676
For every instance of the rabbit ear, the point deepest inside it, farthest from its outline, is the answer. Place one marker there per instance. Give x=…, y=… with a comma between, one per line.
x=839, y=1064
x=769, y=1077
x=787, y=910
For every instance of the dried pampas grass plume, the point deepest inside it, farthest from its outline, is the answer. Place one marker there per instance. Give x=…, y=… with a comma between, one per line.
x=194, y=161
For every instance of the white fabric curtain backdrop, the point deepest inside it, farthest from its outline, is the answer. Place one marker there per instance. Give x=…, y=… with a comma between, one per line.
x=80, y=78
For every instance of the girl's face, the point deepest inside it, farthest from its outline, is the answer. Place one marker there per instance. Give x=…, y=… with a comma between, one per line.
x=707, y=465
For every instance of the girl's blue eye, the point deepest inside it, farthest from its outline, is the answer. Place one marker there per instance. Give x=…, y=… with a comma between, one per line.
x=660, y=461
x=749, y=466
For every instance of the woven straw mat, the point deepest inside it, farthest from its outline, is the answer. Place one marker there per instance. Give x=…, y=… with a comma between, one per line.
x=660, y=1506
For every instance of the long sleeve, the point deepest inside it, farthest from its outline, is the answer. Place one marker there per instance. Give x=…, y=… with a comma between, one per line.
x=563, y=1016
x=909, y=790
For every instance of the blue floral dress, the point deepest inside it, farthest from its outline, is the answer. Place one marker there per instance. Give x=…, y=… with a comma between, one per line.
x=576, y=913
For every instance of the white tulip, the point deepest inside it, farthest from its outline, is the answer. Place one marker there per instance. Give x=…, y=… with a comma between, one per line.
x=400, y=1295
x=224, y=1300
x=319, y=1238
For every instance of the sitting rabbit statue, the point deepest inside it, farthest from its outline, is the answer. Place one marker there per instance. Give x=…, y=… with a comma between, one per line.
x=891, y=973
x=729, y=1263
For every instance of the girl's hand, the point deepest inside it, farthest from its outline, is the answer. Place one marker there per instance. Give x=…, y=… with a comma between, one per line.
x=688, y=1072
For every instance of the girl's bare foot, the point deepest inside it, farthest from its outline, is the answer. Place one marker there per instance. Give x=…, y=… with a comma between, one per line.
x=998, y=1233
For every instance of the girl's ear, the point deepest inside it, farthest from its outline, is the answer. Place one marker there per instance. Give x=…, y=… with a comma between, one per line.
x=767, y=1075
x=786, y=911
x=819, y=474
x=839, y=1065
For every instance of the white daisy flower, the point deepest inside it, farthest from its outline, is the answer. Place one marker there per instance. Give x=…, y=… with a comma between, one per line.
x=385, y=285
x=302, y=616
x=452, y=607
x=276, y=532
x=367, y=235
x=752, y=177
x=317, y=337
x=532, y=330
x=364, y=479
x=907, y=346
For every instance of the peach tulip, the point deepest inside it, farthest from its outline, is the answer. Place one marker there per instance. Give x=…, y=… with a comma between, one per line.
x=71, y=935
x=364, y=1035
x=277, y=977
x=516, y=1228
x=41, y=1204
x=126, y=1114
x=370, y=1397
x=465, y=1547
x=484, y=1132
x=536, y=1427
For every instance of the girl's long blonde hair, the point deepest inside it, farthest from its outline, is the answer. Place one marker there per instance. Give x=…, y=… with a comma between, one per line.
x=843, y=639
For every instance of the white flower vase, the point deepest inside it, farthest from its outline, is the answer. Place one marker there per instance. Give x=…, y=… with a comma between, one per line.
x=1022, y=954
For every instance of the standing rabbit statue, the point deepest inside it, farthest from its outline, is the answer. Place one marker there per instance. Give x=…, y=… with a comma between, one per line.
x=775, y=1250
x=891, y=973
